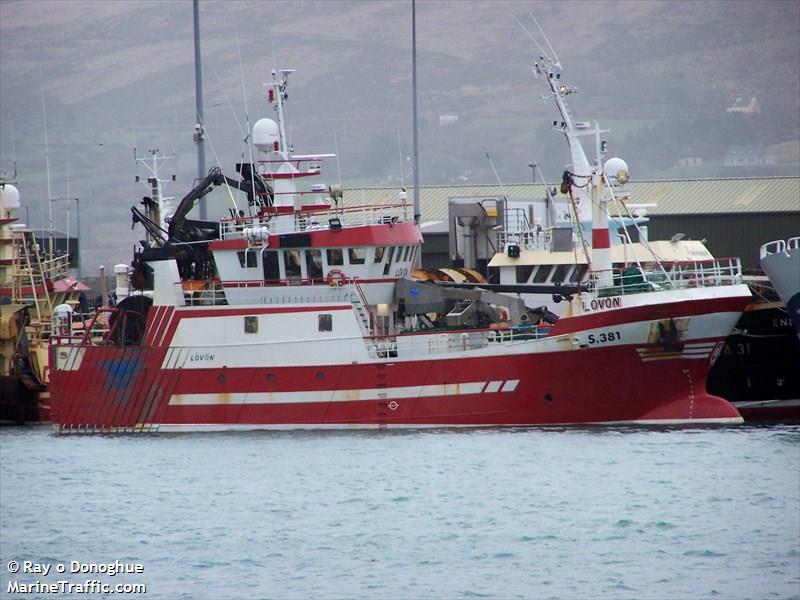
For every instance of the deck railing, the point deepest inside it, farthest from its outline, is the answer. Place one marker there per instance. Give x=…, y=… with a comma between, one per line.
x=678, y=275
x=539, y=239
x=779, y=247
x=427, y=343
x=304, y=291
x=310, y=219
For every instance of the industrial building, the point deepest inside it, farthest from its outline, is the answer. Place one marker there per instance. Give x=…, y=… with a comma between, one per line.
x=733, y=216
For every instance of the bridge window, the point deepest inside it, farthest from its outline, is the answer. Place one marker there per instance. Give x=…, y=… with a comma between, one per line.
x=358, y=256
x=388, y=264
x=247, y=259
x=325, y=322
x=560, y=273
x=524, y=273
x=578, y=273
x=314, y=264
x=379, y=252
x=542, y=273
x=335, y=257
x=272, y=270
x=291, y=261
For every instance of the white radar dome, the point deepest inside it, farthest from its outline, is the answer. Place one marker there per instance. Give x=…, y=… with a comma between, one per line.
x=10, y=196
x=62, y=309
x=265, y=134
x=616, y=170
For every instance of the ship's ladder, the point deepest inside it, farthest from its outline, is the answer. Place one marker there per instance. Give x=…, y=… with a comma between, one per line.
x=30, y=284
x=363, y=314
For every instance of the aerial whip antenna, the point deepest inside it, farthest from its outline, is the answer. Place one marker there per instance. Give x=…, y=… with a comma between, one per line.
x=415, y=141
x=496, y=174
x=198, y=96
x=556, y=62
x=246, y=119
x=533, y=39
x=47, y=165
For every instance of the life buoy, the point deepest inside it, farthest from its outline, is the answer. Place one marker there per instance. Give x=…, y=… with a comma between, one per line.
x=335, y=277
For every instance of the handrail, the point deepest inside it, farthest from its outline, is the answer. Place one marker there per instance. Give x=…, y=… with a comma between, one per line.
x=314, y=218
x=779, y=247
x=682, y=274
x=85, y=337
x=372, y=321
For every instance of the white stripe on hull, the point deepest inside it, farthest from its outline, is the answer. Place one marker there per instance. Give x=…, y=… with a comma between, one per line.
x=303, y=397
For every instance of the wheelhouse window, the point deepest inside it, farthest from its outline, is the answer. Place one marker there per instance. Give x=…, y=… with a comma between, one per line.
x=314, y=263
x=578, y=273
x=560, y=274
x=358, y=256
x=291, y=262
x=542, y=273
x=325, y=322
x=335, y=257
x=388, y=264
x=272, y=271
x=247, y=259
x=379, y=252
x=524, y=273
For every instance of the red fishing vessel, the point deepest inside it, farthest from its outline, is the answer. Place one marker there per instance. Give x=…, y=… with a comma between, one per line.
x=297, y=310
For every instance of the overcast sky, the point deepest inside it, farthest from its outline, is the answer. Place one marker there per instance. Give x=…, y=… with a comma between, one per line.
x=118, y=74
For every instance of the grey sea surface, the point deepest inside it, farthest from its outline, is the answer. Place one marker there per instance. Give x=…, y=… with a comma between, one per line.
x=497, y=513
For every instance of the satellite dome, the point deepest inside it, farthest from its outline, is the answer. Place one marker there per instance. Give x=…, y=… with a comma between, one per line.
x=265, y=134
x=616, y=170
x=10, y=196
x=62, y=309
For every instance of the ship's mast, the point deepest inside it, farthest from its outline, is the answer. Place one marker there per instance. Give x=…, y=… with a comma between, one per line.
x=199, y=133
x=278, y=96
x=586, y=181
x=162, y=206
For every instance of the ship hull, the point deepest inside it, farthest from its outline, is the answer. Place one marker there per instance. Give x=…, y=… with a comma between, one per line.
x=757, y=369
x=165, y=385
x=518, y=390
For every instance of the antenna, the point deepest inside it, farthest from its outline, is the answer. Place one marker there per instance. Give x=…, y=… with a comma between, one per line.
x=400, y=153
x=496, y=174
x=557, y=62
x=336, y=149
x=47, y=164
x=198, y=94
x=534, y=40
x=246, y=120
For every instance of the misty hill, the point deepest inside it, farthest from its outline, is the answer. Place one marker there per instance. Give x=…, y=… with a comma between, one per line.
x=660, y=75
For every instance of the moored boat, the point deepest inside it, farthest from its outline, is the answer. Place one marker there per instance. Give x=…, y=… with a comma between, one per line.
x=295, y=310
x=781, y=262
x=757, y=368
x=33, y=280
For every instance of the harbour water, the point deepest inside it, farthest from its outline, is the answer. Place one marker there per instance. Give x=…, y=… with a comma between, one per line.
x=501, y=513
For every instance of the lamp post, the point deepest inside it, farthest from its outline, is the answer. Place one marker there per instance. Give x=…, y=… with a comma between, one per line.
x=533, y=166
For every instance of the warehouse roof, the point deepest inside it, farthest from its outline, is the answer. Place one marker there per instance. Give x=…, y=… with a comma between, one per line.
x=672, y=197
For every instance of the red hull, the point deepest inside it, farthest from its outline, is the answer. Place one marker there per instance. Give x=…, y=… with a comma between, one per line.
x=124, y=387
